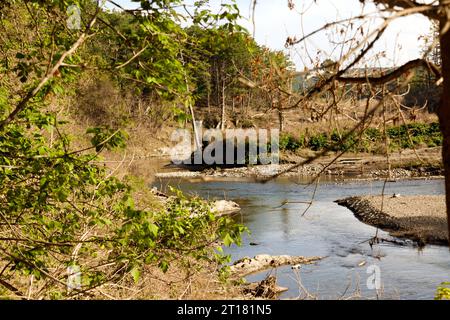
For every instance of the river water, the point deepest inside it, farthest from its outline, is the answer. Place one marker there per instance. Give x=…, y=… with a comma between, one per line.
x=331, y=231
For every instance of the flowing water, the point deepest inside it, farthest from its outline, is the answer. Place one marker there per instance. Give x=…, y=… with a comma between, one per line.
x=330, y=231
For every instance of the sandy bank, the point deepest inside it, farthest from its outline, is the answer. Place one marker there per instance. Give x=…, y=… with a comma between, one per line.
x=420, y=218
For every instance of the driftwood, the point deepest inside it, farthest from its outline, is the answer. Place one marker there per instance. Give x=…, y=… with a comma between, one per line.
x=266, y=289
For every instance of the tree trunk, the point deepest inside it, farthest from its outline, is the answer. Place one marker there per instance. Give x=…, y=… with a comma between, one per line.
x=209, y=99
x=280, y=113
x=280, y=120
x=444, y=114
x=223, y=120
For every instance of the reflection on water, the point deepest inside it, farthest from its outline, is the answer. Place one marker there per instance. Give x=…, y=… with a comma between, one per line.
x=331, y=231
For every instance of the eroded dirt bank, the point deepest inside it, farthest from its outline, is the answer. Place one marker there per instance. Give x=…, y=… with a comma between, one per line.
x=420, y=218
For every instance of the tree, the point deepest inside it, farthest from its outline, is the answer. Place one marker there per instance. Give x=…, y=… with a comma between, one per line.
x=226, y=55
x=431, y=47
x=60, y=213
x=437, y=12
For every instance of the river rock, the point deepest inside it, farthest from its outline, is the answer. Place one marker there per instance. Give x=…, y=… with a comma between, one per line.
x=246, y=266
x=224, y=207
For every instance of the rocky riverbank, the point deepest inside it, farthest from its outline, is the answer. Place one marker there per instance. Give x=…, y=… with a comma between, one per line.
x=311, y=170
x=247, y=266
x=419, y=218
x=424, y=163
x=267, y=288
x=218, y=207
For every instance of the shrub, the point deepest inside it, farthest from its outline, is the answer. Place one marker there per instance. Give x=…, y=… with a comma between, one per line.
x=290, y=143
x=318, y=142
x=340, y=144
x=415, y=134
x=372, y=134
x=443, y=292
x=372, y=139
x=61, y=211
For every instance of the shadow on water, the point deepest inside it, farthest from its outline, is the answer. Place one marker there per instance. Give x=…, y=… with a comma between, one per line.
x=331, y=231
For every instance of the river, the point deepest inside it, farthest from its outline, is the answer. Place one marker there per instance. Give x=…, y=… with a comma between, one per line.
x=331, y=231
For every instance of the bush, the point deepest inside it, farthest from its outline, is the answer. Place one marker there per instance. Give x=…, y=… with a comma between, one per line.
x=415, y=134
x=62, y=212
x=372, y=134
x=290, y=143
x=318, y=142
x=400, y=137
x=443, y=292
x=340, y=144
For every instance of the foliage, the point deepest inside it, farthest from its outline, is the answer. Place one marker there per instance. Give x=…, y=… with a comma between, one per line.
x=107, y=138
x=341, y=144
x=185, y=228
x=318, y=142
x=289, y=142
x=400, y=137
x=58, y=209
x=443, y=292
x=224, y=56
x=414, y=134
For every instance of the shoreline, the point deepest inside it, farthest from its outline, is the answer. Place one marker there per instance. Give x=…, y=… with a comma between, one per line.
x=307, y=171
x=421, y=218
x=407, y=164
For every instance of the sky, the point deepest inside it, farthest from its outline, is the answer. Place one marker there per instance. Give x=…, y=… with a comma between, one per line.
x=274, y=22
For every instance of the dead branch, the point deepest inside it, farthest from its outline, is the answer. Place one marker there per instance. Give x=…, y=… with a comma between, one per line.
x=394, y=74
x=429, y=11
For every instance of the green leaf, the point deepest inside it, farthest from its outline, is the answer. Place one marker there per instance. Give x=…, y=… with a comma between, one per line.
x=228, y=240
x=136, y=274
x=153, y=228
x=164, y=266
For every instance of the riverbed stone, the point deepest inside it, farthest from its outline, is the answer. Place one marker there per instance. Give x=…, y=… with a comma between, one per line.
x=224, y=207
x=246, y=265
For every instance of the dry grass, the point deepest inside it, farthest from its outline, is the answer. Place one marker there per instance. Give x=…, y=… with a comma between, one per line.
x=182, y=283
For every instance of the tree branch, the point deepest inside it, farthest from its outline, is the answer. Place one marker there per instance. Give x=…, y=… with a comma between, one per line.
x=133, y=57
x=429, y=11
x=11, y=288
x=33, y=92
x=394, y=74
x=319, y=87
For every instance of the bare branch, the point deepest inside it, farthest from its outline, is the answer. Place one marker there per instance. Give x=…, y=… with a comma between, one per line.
x=321, y=86
x=11, y=288
x=133, y=57
x=430, y=11
x=32, y=93
x=394, y=74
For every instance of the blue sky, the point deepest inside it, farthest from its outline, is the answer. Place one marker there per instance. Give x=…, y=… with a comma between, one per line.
x=275, y=22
